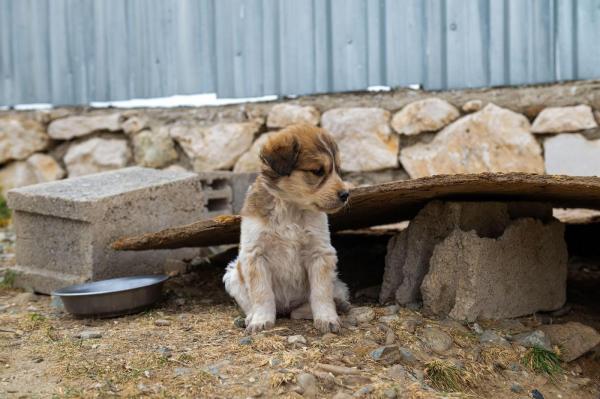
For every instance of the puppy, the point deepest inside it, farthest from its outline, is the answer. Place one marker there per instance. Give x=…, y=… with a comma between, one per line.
x=286, y=264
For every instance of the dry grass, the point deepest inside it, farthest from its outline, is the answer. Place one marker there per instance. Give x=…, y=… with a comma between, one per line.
x=542, y=361
x=445, y=376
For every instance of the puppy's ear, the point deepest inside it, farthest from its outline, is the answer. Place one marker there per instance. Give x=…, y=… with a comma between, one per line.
x=280, y=153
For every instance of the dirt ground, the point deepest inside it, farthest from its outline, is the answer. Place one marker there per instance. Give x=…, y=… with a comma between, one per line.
x=189, y=346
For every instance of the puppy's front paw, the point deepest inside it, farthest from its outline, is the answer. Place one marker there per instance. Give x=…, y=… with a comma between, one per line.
x=257, y=323
x=326, y=325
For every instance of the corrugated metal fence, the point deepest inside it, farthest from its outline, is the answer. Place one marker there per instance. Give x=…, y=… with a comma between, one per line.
x=76, y=51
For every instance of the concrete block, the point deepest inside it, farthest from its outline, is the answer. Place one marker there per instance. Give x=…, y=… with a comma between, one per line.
x=225, y=191
x=409, y=253
x=519, y=273
x=64, y=228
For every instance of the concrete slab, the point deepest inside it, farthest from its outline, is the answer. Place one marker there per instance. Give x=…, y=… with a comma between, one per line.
x=64, y=228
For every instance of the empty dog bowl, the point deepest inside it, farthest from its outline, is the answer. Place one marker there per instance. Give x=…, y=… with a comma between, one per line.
x=113, y=297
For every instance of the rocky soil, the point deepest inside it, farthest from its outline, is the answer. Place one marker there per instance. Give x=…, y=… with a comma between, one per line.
x=192, y=345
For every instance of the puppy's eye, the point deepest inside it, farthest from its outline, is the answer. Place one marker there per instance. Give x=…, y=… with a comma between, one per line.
x=318, y=172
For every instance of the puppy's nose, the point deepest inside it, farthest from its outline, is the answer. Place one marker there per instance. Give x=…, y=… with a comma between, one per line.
x=343, y=195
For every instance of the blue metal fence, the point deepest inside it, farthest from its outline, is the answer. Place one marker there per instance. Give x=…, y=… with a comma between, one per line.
x=77, y=51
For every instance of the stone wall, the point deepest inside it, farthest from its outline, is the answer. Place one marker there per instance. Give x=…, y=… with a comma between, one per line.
x=382, y=136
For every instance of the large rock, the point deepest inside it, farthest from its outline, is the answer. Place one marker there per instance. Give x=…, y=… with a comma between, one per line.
x=564, y=119
x=19, y=138
x=521, y=272
x=409, y=252
x=491, y=140
x=153, y=149
x=364, y=137
x=215, y=147
x=96, y=155
x=250, y=161
x=573, y=338
x=38, y=168
x=282, y=115
x=572, y=154
x=426, y=115
x=77, y=126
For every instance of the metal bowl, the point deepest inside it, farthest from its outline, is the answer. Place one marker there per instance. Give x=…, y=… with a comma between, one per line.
x=113, y=297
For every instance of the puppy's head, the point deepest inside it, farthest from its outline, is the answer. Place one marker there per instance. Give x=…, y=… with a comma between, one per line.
x=302, y=165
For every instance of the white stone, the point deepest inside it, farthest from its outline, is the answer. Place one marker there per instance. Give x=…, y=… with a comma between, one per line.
x=564, y=119
x=77, y=126
x=472, y=106
x=134, y=124
x=153, y=149
x=364, y=137
x=96, y=155
x=426, y=115
x=282, y=115
x=572, y=154
x=250, y=161
x=215, y=147
x=19, y=138
x=38, y=168
x=491, y=140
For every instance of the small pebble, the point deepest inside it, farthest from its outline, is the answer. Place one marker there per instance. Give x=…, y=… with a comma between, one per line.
x=181, y=371
x=363, y=314
x=389, y=319
x=364, y=391
x=533, y=339
x=490, y=337
x=516, y=388
x=246, y=341
x=535, y=394
x=477, y=328
x=239, y=322
x=391, y=310
x=89, y=335
x=407, y=355
x=308, y=383
x=165, y=352
x=437, y=340
x=273, y=362
x=390, y=393
x=162, y=323
x=410, y=325
x=396, y=372
x=296, y=340
x=342, y=395
x=390, y=337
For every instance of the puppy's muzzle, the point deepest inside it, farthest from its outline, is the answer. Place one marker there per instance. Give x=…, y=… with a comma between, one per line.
x=343, y=195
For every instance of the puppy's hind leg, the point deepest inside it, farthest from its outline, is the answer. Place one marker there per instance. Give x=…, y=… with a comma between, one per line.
x=341, y=296
x=234, y=285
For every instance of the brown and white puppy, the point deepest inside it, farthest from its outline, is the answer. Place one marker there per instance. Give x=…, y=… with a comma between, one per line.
x=286, y=264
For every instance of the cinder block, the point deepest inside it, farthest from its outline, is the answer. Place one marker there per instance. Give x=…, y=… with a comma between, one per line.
x=225, y=191
x=64, y=228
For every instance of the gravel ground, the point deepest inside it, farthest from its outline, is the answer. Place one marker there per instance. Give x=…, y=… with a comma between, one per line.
x=191, y=345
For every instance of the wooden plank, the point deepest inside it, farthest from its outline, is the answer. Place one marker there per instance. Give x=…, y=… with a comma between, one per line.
x=396, y=201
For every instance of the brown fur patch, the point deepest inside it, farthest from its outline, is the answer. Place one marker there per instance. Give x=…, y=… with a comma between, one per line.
x=301, y=164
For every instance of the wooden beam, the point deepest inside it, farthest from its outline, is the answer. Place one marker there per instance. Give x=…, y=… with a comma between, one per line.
x=396, y=201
